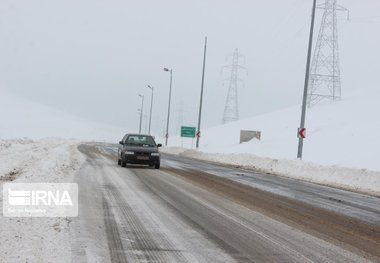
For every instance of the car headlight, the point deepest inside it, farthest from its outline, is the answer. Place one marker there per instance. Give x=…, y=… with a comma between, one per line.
x=129, y=153
x=155, y=154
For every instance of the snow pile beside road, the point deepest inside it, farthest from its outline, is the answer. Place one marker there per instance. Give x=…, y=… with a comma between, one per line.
x=46, y=160
x=37, y=161
x=359, y=180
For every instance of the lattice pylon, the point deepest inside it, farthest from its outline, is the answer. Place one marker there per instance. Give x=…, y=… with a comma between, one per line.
x=231, y=109
x=325, y=70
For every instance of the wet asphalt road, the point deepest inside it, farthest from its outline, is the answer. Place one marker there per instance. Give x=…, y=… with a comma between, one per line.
x=190, y=211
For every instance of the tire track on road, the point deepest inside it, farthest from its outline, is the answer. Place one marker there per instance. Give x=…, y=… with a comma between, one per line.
x=147, y=245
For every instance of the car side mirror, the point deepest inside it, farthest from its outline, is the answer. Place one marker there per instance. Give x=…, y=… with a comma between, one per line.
x=159, y=145
x=121, y=142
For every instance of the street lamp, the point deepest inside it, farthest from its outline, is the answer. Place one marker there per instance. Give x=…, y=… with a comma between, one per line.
x=151, y=106
x=141, y=111
x=170, y=95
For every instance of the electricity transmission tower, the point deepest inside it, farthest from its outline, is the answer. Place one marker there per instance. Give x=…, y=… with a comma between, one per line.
x=325, y=71
x=231, y=109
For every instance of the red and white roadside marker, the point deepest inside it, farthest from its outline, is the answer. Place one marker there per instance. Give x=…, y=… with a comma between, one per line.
x=302, y=133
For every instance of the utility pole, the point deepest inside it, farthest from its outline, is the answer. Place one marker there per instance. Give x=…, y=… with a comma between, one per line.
x=141, y=111
x=201, y=99
x=151, y=106
x=170, y=96
x=305, y=91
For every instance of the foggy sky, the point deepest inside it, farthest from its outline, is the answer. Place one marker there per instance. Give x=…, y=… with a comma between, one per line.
x=92, y=58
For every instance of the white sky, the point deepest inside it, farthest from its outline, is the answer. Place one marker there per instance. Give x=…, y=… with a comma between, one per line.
x=92, y=58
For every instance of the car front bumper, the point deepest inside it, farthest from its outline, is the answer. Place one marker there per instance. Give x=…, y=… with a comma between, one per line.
x=141, y=159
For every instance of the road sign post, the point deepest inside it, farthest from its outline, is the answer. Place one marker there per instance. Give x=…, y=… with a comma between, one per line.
x=306, y=85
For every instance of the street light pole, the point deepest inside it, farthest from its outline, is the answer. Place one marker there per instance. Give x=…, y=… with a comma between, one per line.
x=151, y=106
x=170, y=96
x=141, y=111
x=306, y=86
x=201, y=100
x=145, y=123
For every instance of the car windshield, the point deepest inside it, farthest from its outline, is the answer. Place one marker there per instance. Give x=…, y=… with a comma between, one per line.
x=140, y=140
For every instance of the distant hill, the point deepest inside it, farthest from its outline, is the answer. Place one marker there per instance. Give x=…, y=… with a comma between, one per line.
x=20, y=117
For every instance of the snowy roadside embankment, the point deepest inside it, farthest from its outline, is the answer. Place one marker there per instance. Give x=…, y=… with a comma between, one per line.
x=359, y=180
x=41, y=161
x=38, y=161
x=339, y=133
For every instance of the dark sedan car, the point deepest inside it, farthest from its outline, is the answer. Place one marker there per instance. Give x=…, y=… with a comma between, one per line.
x=139, y=149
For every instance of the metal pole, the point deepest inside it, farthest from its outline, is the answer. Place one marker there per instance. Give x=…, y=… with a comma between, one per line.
x=151, y=106
x=201, y=100
x=146, y=123
x=170, y=96
x=141, y=111
x=307, y=74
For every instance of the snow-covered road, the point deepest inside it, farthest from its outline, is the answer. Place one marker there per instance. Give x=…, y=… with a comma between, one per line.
x=177, y=214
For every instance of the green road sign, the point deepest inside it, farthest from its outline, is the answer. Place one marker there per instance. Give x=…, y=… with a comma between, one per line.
x=188, y=132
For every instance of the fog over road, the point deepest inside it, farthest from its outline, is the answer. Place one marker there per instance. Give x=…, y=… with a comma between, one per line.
x=190, y=211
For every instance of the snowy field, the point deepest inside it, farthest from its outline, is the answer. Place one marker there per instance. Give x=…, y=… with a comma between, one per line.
x=37, y=161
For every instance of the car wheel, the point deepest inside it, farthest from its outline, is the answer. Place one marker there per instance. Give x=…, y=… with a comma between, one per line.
x=123, y=163
x=157, y=166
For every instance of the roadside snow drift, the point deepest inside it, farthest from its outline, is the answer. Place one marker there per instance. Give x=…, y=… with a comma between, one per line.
x=36, y=161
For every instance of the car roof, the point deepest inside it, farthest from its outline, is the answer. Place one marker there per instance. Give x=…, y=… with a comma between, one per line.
x=136, y=134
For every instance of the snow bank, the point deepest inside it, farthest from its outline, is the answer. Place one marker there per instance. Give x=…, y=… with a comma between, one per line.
x=39, y=161
x=46, y=160
x=359, y=180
